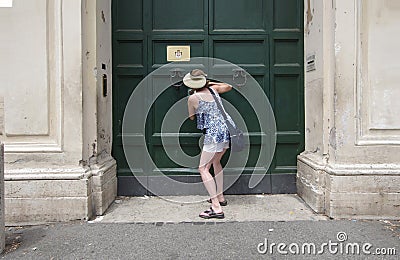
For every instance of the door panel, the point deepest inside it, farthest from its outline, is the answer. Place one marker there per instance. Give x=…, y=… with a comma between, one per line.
x=288, y=14
x=286, y=98
x=243, y=51
x=286, y=52
x=238, y=16
x=251, y=52
x=179, y=15
x=128, y=15
x=262, y=36
x=287, y=88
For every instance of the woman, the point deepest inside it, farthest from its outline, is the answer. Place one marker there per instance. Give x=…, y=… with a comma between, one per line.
x=216, y=135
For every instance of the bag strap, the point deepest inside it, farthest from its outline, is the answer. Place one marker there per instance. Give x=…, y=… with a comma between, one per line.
x=221, y=109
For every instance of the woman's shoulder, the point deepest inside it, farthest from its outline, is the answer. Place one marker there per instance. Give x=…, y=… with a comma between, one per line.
x=192, y=99
x=213, y=89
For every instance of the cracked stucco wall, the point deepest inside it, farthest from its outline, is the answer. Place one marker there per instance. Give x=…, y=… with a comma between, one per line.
x=366, y=107
x=96, y=65
x=351, y=98
x=318, y=82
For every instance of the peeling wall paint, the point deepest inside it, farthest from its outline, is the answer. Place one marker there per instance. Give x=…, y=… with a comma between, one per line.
x=103, y=18
x=338, y=48
x=309, y=16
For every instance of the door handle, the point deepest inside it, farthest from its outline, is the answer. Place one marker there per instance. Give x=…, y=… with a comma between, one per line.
x=239, y=77
x=176, y=77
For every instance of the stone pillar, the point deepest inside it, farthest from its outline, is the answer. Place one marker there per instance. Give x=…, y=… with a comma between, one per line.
x=97, y=106
x=350, y=167
x=56, y=124
x=2, y=231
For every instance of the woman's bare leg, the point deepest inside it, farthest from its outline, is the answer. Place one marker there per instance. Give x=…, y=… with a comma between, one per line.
x=219, y=175
x=206, y=160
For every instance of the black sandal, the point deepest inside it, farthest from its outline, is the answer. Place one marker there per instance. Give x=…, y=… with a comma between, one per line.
x=210, y=213
x=222, y=203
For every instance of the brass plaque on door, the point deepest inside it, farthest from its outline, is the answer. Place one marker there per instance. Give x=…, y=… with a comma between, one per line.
x=178, y=53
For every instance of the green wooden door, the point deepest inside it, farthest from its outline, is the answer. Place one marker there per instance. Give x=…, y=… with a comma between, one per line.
x=265, y=37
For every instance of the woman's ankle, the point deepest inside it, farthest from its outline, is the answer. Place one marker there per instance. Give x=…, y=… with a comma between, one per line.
x=217, y=209
x=221, y=197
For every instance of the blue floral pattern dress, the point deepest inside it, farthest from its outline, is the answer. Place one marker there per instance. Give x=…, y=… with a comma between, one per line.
x=211, y=121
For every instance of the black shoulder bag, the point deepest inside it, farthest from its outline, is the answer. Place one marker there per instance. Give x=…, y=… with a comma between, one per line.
x=236, y=135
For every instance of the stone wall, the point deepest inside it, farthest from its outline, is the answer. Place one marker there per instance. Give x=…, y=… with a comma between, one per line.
x=2, y=231
x=54, y=120
x=351, y=167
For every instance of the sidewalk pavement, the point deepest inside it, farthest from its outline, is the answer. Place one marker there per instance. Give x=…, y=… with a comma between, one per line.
x=285, y=207
x=155, y=228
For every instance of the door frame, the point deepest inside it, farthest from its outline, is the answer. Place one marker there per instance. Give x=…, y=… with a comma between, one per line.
x=287, y=181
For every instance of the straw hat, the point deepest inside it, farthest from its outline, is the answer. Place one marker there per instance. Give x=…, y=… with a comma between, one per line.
x=195, y=79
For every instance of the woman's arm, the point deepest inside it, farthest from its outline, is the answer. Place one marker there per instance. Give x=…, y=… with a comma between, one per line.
x=191, y=107
x=220, y=87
